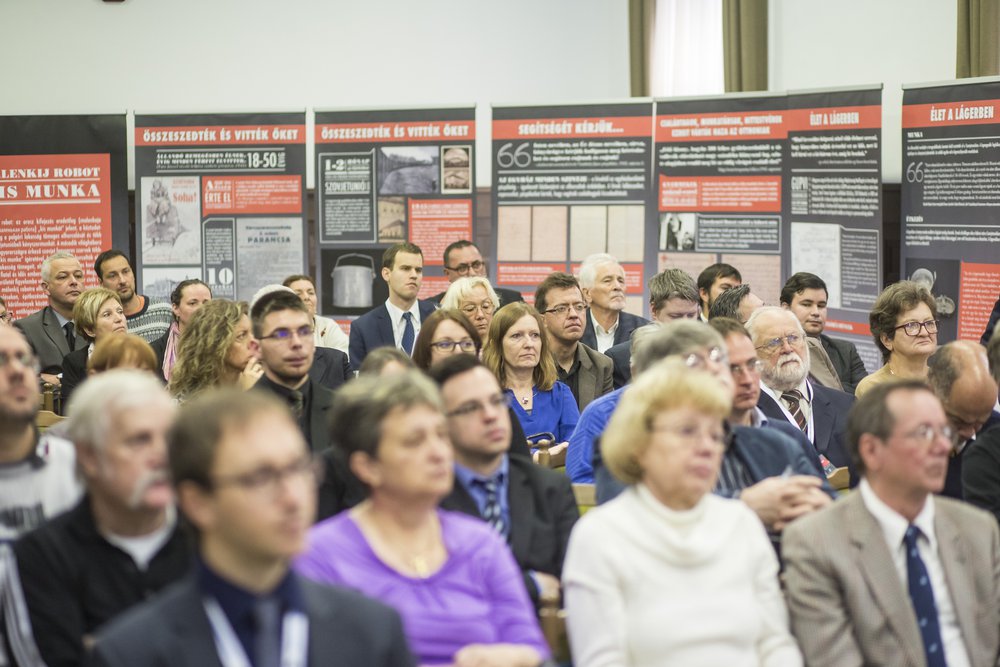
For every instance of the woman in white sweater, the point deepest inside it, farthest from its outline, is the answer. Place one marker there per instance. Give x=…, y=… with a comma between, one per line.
x=667, y=573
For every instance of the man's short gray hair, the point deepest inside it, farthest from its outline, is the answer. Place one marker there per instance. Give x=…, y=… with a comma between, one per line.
x=764, y=311
x=588, y=269
x=47, y=263
x=107, y=394
x=671, y=339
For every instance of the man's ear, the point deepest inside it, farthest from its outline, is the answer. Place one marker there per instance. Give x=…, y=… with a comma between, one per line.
x=870, y=449
x=586, y=295
x=386, y=271
x=88, y=459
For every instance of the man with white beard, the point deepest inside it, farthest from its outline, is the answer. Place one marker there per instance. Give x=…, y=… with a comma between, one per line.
x=121, y=543
x=786, y=392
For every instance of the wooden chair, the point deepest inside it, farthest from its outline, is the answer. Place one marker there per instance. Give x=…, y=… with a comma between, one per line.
x=47, y=418
x=542, y=442
x=553, y=622
x=840, y=480
x=586, y=497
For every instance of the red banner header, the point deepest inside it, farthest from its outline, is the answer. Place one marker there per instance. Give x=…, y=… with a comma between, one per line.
x=202, y=135
x=974, y=112
x=374, y=133
x=572, y=128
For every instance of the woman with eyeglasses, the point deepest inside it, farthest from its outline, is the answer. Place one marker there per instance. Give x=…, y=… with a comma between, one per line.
x=517, y=352
x=444, y=332
x=668, y=573
x=903, y=323
x=477, y=300
x=451, y=577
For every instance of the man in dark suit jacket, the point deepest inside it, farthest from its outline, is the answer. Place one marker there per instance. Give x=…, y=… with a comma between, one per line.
x=50, y=330
x=602, y=279
x=992, y=324
x=584, y=370
x=805, y=294
x=395, y=323
x=462, y=259
x=780, y=342
x=245, y=480
x=282, y=326
x=533, y=507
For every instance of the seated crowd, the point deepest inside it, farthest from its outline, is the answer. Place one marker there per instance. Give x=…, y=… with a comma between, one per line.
x=223, y=490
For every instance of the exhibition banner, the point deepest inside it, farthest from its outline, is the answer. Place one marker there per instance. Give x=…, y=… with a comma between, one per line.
x=832, y=205
x=384, y=177
x=220, y=197
x=951, y=201
x=63, y=187
x=571, y=181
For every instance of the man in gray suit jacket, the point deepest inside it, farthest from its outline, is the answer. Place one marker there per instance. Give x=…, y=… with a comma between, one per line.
x=583, y=369
x=246, y=482
x=50, y=330
x=894, y=575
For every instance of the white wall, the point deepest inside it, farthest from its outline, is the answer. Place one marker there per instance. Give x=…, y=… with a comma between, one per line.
x=83, y=56
x=821, y=44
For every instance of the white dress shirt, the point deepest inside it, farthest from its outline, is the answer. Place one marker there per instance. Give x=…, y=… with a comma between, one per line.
x=399, y=325
x=605, y=339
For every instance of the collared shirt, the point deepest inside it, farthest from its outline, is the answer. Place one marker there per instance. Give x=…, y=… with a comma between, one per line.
x=238, y=603
x=893, y=527
x=605, y=339
x=283, y=392
x=468, y=479
x=571, y=378
x=399, y=325
x=805, y=405
x=62, y=320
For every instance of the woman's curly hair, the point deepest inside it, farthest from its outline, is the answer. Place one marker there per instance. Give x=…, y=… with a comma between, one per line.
x=204, y=346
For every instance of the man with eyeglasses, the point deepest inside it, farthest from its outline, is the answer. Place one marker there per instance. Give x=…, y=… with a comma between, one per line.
x=462, y=259
x=247, y=483
x=283, y=328
x=788, y=394
x=122, y=543
x=583, y=369
x=37, y=471
x=959, y=374
x=892, y=574
x=532, y=507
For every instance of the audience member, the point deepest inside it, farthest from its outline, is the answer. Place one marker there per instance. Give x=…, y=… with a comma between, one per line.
x=672, y=296
x=146, y=317
x=217, y=349
x=959, y=375
x=386, y=361
x=326, y=332
x=903, y=323
x=713, y=281
x=5, y=316
x=185, y=299
x=532, y=508
x=122, y=542
x=282, y=327
x=445, y=332
x=892, y=575
x=583, y=369
x=602, y=280
x=37, y=471
x=991, y=325
x=788, y=394
x=736, y=303
x=518, y=355
x=97, y=314
x=450, y=576
x=805, y=294
x=127, y=351
x=397, y=321
x=462, y=259
x=477, y=301
x=245, y=480
x=50, y=331
x=668, y=568
x=981, y=457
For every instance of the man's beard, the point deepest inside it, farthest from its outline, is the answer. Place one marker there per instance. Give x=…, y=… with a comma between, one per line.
x=782, y=378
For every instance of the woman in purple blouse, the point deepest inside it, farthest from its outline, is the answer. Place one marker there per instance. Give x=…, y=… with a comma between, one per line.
x=450, y=576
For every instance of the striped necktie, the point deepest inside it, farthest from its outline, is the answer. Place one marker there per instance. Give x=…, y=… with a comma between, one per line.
x=792, y=399
x=492, y=512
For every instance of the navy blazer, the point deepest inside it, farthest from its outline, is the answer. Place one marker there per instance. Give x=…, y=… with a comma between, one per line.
x=621, y=357
x=345, y=628
x=991, y=325
x=374, y=329
x=330, y=367
x=504, y=295
x=829, y=410
x=627, y=323
x=957, y=481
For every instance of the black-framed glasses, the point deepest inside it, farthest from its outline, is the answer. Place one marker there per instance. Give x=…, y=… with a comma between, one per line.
x=562, y=309
x=775, y=343
x=750, y=367
x=913, y=328
x=268, y=480
x=305, y=331
x=486, y=306
x=26, y=359
x=464, y=268
x=465, y=345
x=496, y=401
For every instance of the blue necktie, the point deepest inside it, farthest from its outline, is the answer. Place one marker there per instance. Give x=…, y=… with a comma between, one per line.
x=407, y=342
x=922, y=597
x=492, y=513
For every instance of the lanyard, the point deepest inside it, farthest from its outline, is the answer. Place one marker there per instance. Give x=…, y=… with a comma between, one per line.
x=294, y=638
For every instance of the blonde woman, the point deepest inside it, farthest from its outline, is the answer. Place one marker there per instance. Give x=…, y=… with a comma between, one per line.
x=476, y=299
x=217, y=349
x=97, y=314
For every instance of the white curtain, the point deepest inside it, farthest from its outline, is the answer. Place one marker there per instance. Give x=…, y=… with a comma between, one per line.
x=687, y=49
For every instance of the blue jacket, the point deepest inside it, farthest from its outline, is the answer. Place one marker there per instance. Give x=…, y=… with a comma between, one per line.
x=374, y=329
